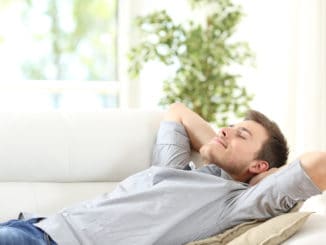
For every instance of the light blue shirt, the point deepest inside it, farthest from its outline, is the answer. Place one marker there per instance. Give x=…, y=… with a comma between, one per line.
x=167, y=205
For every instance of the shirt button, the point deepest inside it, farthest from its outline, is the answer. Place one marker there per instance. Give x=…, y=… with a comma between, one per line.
x=65, y=214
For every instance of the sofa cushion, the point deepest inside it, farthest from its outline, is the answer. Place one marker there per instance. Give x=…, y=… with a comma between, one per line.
x=273, y=231
x=236, y=231
x=270, y=232
x=41, y=198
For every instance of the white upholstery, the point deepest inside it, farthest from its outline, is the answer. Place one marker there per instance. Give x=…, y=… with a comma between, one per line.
x=73, y=147
x=49, y=160
x=314, y=230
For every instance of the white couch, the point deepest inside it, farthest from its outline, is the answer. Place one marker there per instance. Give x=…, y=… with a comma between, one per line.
x=50, y=160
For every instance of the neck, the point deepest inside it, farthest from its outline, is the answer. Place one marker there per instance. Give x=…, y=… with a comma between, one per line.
x=240, y=178
x=244, y=176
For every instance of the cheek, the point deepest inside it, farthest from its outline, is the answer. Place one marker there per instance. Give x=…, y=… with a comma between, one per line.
x=237, y=153
x=243, y=152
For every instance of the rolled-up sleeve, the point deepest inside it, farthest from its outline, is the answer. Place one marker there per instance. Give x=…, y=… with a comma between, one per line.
x=172, y=147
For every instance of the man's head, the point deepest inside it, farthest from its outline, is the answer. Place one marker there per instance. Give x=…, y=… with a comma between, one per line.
x=247, y=148
x=274, y=150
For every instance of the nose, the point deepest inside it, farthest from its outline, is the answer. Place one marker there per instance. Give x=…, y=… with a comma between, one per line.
x=224, y=132
x=227, y=132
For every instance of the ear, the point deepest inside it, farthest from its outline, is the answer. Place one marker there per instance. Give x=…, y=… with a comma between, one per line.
x=258, y=166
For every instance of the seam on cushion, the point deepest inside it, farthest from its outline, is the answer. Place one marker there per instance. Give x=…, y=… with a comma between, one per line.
x=243, y=227
x=282, y=231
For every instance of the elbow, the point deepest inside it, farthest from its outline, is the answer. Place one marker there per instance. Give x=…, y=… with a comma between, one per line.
x=314, y=159
x=175, y=112
x=314, y=163
x=177, y=106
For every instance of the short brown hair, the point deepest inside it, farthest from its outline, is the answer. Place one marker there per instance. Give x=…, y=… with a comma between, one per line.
x=275, y=149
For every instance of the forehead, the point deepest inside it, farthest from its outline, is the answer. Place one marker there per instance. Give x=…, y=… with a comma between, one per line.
x=256, y=130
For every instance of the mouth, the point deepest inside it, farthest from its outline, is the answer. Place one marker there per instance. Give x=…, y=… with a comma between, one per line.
x=219, y=141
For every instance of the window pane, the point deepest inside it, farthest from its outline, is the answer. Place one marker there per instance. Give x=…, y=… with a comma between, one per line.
x=58, y=39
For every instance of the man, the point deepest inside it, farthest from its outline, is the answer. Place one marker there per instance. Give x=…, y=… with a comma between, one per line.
x=174, y=203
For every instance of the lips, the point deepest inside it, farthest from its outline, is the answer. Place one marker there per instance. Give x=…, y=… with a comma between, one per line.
x=220, y=141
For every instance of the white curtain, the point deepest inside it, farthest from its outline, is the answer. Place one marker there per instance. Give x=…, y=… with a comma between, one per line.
x=289, y=82
x=306, y=117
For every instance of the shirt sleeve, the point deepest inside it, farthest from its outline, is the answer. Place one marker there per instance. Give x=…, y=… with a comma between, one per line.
x=275, y=194
x=172, y=146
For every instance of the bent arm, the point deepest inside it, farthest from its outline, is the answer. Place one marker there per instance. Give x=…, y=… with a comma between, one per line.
x=314, y=164
x=198, y=130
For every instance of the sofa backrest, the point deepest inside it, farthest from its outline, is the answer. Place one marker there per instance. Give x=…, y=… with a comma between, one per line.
x=76, y=146
x=49, y=160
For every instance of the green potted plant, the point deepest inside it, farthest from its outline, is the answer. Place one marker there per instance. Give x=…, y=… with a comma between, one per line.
x=203, y=56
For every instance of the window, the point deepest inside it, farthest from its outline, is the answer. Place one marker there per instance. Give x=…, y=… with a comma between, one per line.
x=58, y=54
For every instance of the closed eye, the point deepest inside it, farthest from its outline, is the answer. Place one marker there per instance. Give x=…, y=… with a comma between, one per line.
x=241, y=134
